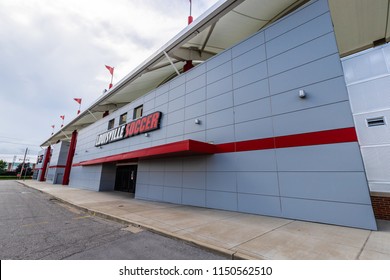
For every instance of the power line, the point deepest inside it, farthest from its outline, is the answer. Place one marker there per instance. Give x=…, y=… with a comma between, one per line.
x=19, y=143
x=1, y=136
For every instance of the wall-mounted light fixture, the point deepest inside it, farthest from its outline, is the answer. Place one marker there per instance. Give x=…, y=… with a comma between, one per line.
x=197, y=121
x=146, y=134
x=302, y=93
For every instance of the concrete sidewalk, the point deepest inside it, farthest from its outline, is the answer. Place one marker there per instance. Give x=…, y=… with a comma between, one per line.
x=238, y=235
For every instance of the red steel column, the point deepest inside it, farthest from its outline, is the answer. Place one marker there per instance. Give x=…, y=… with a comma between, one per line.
x=45, y=163
x=69, y=160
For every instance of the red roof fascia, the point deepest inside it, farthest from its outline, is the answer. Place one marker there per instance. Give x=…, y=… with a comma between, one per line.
x=181, y=148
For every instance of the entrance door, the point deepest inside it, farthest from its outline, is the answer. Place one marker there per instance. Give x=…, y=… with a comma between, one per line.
x=125, y=179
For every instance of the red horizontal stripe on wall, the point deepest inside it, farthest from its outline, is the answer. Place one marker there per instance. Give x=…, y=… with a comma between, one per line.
x=191, y=147
x=57, y=166
x=333, y=136
x=317, y=138
x=257, y=144
x=225, y=148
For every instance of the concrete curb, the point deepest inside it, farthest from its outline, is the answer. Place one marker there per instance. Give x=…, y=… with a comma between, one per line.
x=233, y=255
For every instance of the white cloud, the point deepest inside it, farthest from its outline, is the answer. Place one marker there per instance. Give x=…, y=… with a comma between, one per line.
x=53, y=51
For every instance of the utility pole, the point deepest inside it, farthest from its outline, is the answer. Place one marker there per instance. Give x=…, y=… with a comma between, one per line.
x=24, y=160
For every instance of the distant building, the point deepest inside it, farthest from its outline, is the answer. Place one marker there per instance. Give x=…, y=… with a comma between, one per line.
x=13, y=160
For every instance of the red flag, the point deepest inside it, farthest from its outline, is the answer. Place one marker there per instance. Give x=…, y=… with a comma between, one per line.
x=62, y=117
x=78, y=100
x=111, y=69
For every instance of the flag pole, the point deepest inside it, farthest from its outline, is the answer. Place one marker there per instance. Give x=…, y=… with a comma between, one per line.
x=78, y=100
x=112, y=77
x=189, y=64
x=190, y=18
x=111, y=69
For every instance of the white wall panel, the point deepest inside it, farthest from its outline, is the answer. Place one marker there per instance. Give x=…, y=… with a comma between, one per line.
x=367, y=75
x=373, y=135
x=376, y=160
x=372, y=95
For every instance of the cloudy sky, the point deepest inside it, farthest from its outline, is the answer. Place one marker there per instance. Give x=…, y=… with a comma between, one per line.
x=54, y=51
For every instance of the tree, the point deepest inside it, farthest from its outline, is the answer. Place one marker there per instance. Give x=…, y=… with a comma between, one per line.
x=3, y=166
x=27, y=171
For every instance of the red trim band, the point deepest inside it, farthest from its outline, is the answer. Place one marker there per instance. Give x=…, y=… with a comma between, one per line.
x=181, y=148
x=334, y=136
x=57, y=166
x=191, y=147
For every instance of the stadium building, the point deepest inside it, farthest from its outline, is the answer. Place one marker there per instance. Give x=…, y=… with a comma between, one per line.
x=275, y=108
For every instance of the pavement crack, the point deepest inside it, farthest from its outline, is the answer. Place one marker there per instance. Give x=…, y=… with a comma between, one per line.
x=264, y=233
x=363, y=247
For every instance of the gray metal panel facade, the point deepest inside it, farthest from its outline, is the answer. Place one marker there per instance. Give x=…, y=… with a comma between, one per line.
x=57, y=163
x=247, y=92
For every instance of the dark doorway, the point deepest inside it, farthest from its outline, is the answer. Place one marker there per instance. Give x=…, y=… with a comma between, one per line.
x=126, y=178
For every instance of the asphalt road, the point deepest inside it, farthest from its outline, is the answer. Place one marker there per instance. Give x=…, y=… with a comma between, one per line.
x=35, y=226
